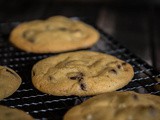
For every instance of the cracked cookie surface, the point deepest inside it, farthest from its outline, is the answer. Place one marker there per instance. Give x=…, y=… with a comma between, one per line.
x=9, y=82
x=81, y=73
x=117, y=106
x=7, y=113
x=56, y=34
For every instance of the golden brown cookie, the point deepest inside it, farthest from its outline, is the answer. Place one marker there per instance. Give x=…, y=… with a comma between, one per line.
x=117, y=106
x=56, y=34
x=81, y=73
x=7, y=113
x=9, y=82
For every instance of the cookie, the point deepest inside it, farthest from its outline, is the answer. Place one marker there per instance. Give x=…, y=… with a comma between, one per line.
x=56, y=34
x=7, y=113
x=81, y=73
x=9, y=82
x=117, y=106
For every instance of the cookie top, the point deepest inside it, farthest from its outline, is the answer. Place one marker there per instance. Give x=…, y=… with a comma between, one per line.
x=117, y=106
x=9, y=82
x=7, y=113
x=56, y=34
x=81, y=73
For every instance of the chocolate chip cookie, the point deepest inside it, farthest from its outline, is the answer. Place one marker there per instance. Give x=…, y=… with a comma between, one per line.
x=9, y=82
x=81, y=73
x=7, y=113
x=56, y=34
x=117, y=106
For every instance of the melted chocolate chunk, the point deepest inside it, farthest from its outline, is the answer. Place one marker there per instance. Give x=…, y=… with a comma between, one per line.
x=83, y=86
x=50, y=77
x=135, y=97
x=77, y=30
x=119, y=66
x=33, y=73
x=32, y=40
x=25, y=34
x=124, y=63
x=63, y=29
x=78, y=77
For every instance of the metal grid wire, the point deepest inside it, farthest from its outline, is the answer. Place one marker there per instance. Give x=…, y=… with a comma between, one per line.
x=43, y=106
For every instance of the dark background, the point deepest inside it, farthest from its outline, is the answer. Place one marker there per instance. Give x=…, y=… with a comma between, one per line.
x=134, y=23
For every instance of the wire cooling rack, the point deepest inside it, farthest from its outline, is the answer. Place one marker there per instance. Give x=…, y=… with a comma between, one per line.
x=42, y=106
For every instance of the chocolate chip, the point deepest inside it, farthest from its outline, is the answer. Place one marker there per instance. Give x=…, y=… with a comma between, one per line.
x=119, y=66
x=50, y=77
x=78, y=76
x=124, y=63
x=77, y=30
x=113, y=71
x=33, y=73
x=32, y=40
x=135, y=97
x=83, y=86
x=25, y=34
x=63, y=29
